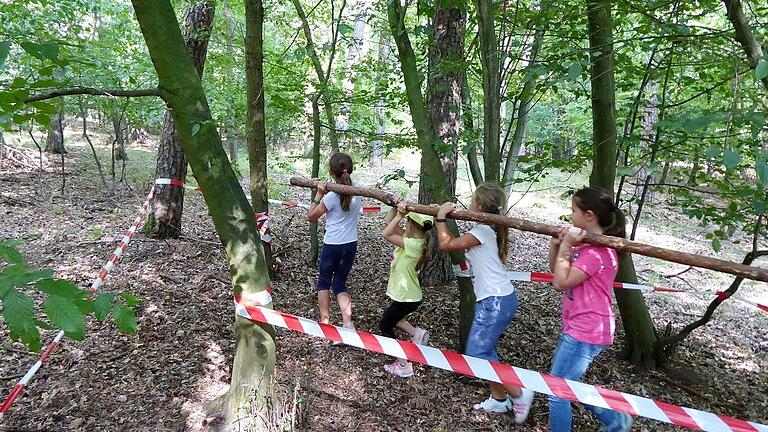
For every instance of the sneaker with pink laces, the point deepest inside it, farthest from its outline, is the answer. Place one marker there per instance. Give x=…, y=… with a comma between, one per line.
x=398, y=370
x=522, y=405
x=420, y=336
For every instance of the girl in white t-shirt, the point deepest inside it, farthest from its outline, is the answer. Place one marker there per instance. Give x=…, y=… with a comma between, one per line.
x=340, y=241
x=486, y=250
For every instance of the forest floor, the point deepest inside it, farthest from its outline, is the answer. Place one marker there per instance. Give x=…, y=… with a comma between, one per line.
x=158, y=379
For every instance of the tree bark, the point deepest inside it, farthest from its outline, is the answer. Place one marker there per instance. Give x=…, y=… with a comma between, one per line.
x=168, y=206
x=469, y=125
x=425, y=136
x=489, y=58
x=377, y=146
x=232, y=215
x=256, y=138
x=55, y=140
x=356, y=51
x=323, y=77
x=444, y=107
x=744, y=35
x=314, y=241
x=117, y=127
x=228, y=129
x=641, y=342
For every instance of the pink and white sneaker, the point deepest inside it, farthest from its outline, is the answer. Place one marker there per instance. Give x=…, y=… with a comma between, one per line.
x=398, y=370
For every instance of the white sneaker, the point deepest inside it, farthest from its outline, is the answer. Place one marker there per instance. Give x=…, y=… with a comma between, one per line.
x=493, y=405
x=522, y=405
x=420, y=336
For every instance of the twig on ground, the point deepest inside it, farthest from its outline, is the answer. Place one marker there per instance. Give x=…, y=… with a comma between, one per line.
x=18, y=351
x=11, y=377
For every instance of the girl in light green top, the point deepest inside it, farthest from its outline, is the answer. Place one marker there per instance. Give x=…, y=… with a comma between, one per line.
x=403, y=286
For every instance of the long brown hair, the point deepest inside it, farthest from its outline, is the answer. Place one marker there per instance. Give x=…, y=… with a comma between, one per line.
x=341, y=166
x=610, y=218
x=490, y=198
x=426, y=234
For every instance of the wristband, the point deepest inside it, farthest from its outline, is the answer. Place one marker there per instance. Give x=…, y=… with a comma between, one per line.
x=443, y=220
x=316, y=200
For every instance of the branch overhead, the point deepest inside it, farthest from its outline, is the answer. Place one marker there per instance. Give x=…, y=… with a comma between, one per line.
x=93, y=91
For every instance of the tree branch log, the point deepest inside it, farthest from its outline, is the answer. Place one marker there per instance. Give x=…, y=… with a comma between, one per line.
x=95, y=92
x=620, y=244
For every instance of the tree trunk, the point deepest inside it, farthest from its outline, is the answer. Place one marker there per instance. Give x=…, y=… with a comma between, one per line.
x=744, y=35
x=641, y=343
x=647, y=136
x=168, y=206
x=489, y=57
x=469, y=125
x=314, y=242
x=526, y=104
x=228, y=131
x=377, y=146
x=117, y=126
x=55, y=141
x=356, y=51
x=322, y=76
x=444, y=107
x=232, y=215
x=436, y=177
x=256, y=138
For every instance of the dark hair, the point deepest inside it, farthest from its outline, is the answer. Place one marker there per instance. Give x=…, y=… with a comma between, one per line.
x=426, y=231
x=341, y=166
x=490, y=198
x=609, y=217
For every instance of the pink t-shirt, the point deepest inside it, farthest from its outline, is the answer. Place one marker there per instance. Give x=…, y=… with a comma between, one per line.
x=587, y=311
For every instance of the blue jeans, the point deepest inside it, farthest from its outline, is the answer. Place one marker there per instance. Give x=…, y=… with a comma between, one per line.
x=335, y=265
x=572, y=358
x=492, y=317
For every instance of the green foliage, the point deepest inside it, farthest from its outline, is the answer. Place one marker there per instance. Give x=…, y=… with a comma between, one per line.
x=65, y=306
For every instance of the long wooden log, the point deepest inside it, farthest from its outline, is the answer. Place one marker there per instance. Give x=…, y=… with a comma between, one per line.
x=620, y=244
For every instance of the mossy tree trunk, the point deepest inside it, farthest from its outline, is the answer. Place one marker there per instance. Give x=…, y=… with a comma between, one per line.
x=641, y=340
x=435, y=177
x=180, y=87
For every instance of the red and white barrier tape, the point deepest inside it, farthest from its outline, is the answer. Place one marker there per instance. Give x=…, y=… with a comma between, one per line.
x=501, y=373
x=103, y=273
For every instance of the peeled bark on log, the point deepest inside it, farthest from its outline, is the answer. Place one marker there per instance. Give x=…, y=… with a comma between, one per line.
x=620, y=244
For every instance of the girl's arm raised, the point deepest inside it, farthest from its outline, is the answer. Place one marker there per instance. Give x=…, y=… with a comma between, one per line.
x=392, y=232
x=445, y=241
x=317, y=207
x=566, y=275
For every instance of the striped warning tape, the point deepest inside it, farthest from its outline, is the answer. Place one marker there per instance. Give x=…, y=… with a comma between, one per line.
x=501, y=373
x=103, y=273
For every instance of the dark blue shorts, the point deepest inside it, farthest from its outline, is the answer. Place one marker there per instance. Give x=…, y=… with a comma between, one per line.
x=335, y=264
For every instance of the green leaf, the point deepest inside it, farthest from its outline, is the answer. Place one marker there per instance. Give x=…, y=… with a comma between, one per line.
x=131, y=300
x=10, y=254
x=731, y=158
x=574, y=71
x=716, y=244
x=19, y=314
x=61, y=287
x=102, y=305
x=5, y=48
x=345, y=29
x=761, y=168
x=195, y=129
x=65, y=315
x=625, y=170
x=125, y=318
x=761, y=71
x=44, y=51
x=19, y=275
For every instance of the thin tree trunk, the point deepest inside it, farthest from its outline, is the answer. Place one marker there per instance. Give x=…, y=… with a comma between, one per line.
x=356, y=51
x=228, y=131
x=469, y=125
x=314, y=242
x=256, y=131
x=168, y=206
x=641, y=340
x=117, y=126
x=232, y=215
x=444, y=107
x=489, y=58
x=526, y=104
x=377, y=146
x=425, y=135
x=323, y=77
x=55, y=140
x=744, y=35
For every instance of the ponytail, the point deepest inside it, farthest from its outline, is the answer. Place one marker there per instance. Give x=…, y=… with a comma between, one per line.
x=341, y=166
x=610, y=218
x=490, y=198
